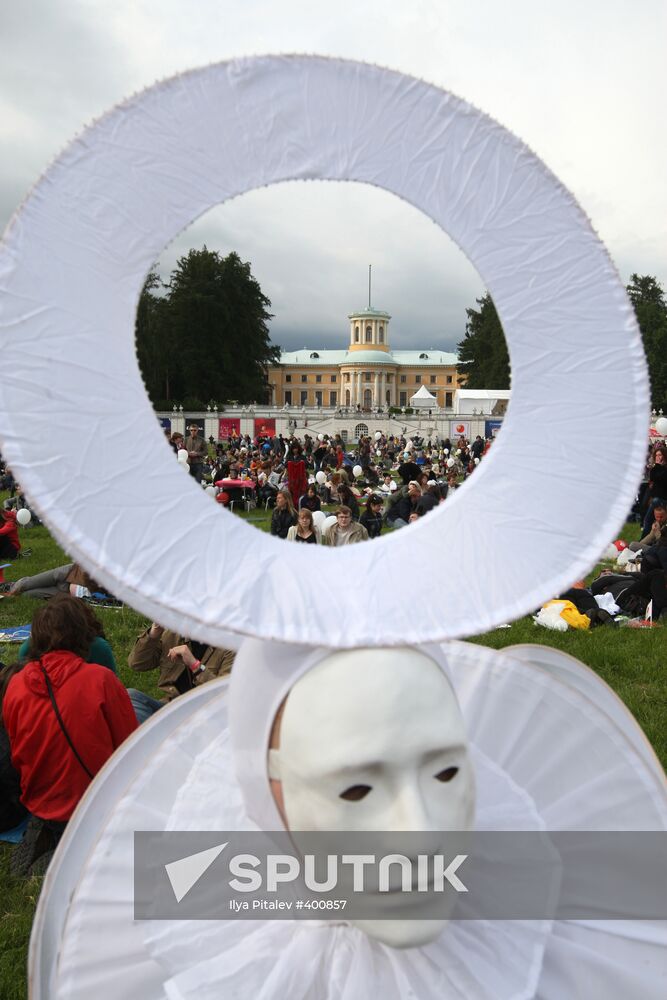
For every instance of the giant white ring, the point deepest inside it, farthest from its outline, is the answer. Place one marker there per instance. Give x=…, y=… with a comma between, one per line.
x=76, y=425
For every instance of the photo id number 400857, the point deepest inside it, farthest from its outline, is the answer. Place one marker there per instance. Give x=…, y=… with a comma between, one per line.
x=238, y=905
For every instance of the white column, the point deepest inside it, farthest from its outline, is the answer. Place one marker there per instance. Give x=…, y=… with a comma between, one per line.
x=376, y=390
x=383, y=384
x=360, y=390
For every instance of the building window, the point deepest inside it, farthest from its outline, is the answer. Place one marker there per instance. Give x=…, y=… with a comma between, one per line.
x=347, y=397
x=433, y=379
x=367, y=376
x=369, y=334
x=304, y=397
x=448, y=400
x=449, y=380
x=418, y=379
x=390, y=378
x=347, y=376
x=423, y=357
x=304, y=378
x=343, y=435
x=361, y=430
x=368, y=399
x=288, y=396
x=318, y=378
x=288, y=378
x=332, y=398
x=334, y=378
x=403, y=399
x=404, y=379
x=318, y=397
x=356, y=334
x=381, y=334
x=314, y=355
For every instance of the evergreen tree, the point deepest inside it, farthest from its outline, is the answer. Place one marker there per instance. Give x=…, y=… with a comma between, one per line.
x=152, y=340
x=648, y=299
x=483, y=356
x=208, y=337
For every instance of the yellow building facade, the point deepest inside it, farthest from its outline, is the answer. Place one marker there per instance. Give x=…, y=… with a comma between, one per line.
x=367, y=375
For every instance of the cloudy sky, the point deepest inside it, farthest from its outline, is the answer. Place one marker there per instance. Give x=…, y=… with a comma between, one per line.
x=582, y=83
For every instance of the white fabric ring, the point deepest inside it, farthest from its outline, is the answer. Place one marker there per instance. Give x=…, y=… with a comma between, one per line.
x=80, y=434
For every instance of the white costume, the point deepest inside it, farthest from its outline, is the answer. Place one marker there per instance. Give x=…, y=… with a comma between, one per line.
x=205, y=766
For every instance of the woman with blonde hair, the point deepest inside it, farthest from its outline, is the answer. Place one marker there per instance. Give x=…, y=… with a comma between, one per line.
x=305, y=529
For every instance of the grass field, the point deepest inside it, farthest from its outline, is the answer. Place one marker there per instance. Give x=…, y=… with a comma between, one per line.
x=633, y=662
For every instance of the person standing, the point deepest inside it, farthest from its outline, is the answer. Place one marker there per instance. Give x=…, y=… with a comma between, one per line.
x=297, y=480
x=197, y=452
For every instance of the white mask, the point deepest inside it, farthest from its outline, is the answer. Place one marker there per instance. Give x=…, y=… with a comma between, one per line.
x=374, y=739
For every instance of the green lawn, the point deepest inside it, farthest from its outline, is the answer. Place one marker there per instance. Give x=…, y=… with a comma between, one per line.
x=631, y=661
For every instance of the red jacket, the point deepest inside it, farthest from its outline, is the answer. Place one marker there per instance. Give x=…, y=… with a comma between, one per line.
x=9, y=528
x=98, y=716
x=297, y=479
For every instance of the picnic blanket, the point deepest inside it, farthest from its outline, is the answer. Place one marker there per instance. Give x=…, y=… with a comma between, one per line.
x=15, y=633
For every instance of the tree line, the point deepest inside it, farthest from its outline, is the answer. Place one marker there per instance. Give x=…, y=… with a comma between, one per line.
x=203, y=335
x=484, y=360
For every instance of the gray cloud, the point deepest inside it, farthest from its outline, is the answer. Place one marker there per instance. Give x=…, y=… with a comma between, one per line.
x=582, y=84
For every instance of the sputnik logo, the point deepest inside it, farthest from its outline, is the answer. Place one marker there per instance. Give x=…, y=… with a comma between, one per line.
x=186, y=872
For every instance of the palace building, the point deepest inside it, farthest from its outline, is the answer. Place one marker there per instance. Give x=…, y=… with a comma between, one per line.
x=368, y=374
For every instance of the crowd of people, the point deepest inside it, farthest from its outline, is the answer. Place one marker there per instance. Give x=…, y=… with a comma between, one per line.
x=64, y=708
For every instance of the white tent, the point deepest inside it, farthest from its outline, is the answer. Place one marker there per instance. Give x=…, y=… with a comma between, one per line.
x=483, y=401
x=423, y=398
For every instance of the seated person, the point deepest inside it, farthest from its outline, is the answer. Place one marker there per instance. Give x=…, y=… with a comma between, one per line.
x=304, y=530
x=183, y=663
x=310, y=499
x=284, y=514
x=371, y=519
x=345, y=531
x=348, y=499
x=99, y=650
x=388, y=485
x=403, y=505
x=659, y=519
x=64, y=718
x=428, y=500
x=12, y=810
x=10, y=545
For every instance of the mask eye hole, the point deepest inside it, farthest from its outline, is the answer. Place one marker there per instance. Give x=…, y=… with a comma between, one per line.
x=355, y=793
x=447, y=774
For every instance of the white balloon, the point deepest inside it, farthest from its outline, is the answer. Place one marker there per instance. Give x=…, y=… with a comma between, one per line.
x=450, y=463
x=378, y=435
x=320, y=437
x=321, y=477
x=182, y=455
x=661, y=426
x=24, y=516
x=446, y=451
x=319, y=519
x=476, y=461
x=211, y=491
x=331, y=519
x=458, y=451
x=357, y=471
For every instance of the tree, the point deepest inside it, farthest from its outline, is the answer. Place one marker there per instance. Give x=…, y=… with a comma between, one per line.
x=208, y=336
x=483, y=356
x=648, y=299
x=152, y=341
